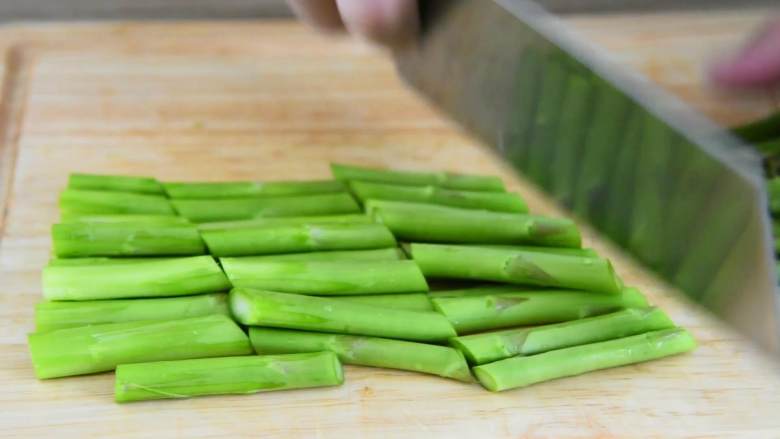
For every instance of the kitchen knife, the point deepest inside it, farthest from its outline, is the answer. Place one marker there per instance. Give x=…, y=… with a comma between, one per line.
x=681, y=194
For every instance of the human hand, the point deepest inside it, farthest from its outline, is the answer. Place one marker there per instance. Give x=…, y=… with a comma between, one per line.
x=391, y=23
x=757, y=65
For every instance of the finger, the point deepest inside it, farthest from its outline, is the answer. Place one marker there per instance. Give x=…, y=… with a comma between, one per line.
x=322, y=14
x=389, y=22
x=756, y=65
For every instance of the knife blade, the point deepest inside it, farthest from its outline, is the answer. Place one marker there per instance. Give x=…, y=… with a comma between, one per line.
x=678, y=192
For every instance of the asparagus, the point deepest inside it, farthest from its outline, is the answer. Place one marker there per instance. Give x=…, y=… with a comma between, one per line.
x=480, y=312
x=365, y=351
x=492, y=346
x=495, y=201
x=117, y=279
x=590, y=273
x=239, y=189
x=443, y=179
x=125, y=239
x=552, y=250
x=227, y=375
x=523, y=371
x=295, y=311
x=99, y=348
x=75, y=202
x=50, y=316
x=101, y=260
x=260, y=240
x=380, y=254
x=122, y=218
x=358, y=218
x=408, y=301
x=206, y=210
x=326, y=278
x=430, y=223
x=119, y=183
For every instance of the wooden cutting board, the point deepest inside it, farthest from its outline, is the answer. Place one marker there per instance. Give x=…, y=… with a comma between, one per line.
x=271, y=100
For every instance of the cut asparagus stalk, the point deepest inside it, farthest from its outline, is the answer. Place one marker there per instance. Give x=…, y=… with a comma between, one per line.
x=259, y=240
x=227, y=375
x=123, y=218
x=99, y=348
x=295, y=311
x=523, y=371
x=101, y=260
x=125, y=239
x=239, y=189
x=550, y=250
x=495, y=201
x=326, y=278
x=493, y=346
x=50, y=316
x=117, y=279
x=118, y=183
x=206, y=210
x=75, y=202
x=381, y=254
x=357, y=218
x=589, y=273
x=409, y=301
x=431, y=223
x=481, y=312
x=443, y=179
x=365, y=351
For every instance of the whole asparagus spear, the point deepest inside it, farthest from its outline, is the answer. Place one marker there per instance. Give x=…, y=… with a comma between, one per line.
x=75, y=202
x=58, y=315
x=492, y=346
x=408, y=301
x=238, y=189
x=365, y=351
x=116, y=279
x=379, y=254
x=226, y=375
x=354, y=218
x=259, y=240
x=431, y=223
x=523, y=371
x=590, y=273
x=119, y=183
x=443, y=179
x=326, y=278
x=295, y=311
x=98, y=348
x=495, y=201
x=125, y=239
x=227, y=209
x=480, y=312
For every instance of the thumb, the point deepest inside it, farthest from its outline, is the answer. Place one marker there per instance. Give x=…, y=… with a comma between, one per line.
x=754, y=66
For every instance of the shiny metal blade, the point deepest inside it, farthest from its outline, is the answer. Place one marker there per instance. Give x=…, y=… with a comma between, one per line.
x=678, y=192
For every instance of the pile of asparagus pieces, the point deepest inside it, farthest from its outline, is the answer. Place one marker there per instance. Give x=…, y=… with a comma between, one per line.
x=433, y=272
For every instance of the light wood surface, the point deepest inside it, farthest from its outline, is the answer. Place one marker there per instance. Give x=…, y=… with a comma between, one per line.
x=216, y=101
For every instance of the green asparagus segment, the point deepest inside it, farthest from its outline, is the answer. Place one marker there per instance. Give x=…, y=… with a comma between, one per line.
x=142, y=278
x=408, y=301
x=495, y=201
x=442, y=179
x=240, y=189
x=482, y=312
x=260, y=240
x=357, y=218
x=122, y=218
x=431, y=223
x=76, y=202
x=99, y=348
x=50, y=316
x=493, y=346
x=228, y=209
x=226, y=375
x=326, y=278
x=552, y=250
x=102, y=260
x=590, y=273
x=366, y=351
x=379, y=254
x=523, y=371
x=118, y=183
x=296, y=311
x=125, y=239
